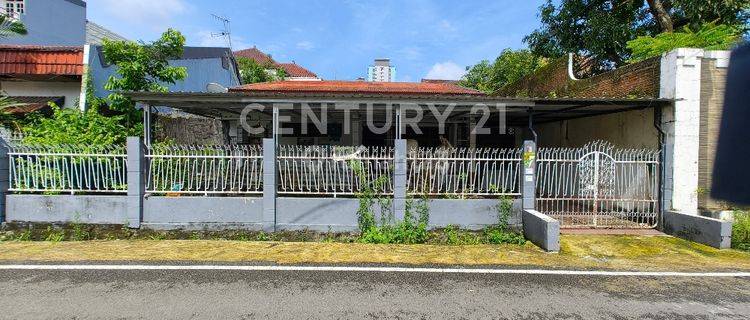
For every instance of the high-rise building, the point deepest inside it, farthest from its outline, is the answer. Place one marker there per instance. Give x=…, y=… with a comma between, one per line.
x=381, y=71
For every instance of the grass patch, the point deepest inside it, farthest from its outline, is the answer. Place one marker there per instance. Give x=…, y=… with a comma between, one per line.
x=741, y=230
x=643, y=253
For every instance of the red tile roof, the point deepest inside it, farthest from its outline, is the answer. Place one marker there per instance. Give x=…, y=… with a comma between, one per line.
x=41, y=60
x=294, y=70
x=253, y=53
x=360, y=87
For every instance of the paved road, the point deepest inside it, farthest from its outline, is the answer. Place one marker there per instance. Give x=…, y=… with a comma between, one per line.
x=183, y=294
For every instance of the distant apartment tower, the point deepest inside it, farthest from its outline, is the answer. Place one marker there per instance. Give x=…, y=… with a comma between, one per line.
x=382, y=71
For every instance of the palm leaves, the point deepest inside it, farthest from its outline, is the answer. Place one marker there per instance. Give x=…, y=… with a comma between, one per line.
x=10, y=27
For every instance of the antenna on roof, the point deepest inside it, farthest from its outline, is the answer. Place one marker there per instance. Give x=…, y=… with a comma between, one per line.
x=226, y=32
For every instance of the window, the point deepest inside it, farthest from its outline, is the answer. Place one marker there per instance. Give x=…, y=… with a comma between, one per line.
x=15, y=7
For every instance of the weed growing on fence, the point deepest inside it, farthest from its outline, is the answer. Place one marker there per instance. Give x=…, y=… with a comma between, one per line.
x=741, y=230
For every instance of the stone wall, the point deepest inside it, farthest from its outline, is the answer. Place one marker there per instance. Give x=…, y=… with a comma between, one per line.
x=189, y=130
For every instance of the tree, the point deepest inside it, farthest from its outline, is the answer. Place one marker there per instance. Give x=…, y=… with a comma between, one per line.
x=142, y=67
x=710, y=36
x=252, y=72
x=509, y=67
x=602, y=28
x=11, y=27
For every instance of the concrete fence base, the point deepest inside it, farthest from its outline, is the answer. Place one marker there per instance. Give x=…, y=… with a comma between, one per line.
x=541, y=230
x=709, y=231
x=216, y=213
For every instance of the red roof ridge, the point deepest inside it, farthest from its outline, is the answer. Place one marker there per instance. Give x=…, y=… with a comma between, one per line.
x=341, y=86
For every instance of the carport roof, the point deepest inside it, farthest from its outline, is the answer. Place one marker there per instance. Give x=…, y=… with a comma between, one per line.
x=543, y=109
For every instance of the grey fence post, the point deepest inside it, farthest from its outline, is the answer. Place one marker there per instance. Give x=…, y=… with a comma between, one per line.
x=4, y=176
x=528, y=176
x=136, y=182
x=399, y=179
x=269, y=185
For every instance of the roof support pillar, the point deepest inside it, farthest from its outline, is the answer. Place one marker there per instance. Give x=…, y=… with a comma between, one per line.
x=146, y=123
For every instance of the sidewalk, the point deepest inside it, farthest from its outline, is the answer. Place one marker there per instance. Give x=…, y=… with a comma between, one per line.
x=579, y=252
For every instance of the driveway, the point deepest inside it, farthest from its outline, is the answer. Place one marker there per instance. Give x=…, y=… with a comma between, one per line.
x=250, y=294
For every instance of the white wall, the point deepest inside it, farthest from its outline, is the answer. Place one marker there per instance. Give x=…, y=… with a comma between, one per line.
x=681, y=81
x=70, y=90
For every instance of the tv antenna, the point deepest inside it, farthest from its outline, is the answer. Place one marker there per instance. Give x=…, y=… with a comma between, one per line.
x=226, y=32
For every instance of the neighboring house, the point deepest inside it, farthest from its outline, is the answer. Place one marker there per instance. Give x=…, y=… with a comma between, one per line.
x=54, y=72
x=52, y=60
x=381, y=71
x=294, y=72
x=48, y=22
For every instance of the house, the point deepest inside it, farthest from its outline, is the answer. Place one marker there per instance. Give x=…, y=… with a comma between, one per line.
x=294, y=72
x=52, y=60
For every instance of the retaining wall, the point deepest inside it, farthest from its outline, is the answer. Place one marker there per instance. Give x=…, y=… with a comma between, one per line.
x=213, y=213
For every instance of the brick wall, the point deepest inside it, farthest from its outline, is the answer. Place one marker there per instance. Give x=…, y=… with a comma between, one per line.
x=638, y=80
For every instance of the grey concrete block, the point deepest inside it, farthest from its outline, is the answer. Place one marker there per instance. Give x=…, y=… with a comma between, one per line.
x=203, y=210
x=541, y=230
x=67, y=208
x=709, y=231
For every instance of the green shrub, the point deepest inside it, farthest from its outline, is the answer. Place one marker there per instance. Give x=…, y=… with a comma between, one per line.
x=54, y=235
x=741, y=230
x=496, y=235
x=710, y=36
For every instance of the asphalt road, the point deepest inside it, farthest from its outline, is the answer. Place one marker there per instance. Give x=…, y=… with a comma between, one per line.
x=221, y=294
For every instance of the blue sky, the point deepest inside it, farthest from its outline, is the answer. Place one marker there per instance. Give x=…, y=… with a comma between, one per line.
x=339, y=39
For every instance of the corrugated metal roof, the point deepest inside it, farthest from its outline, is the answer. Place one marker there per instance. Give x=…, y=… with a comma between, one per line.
x=32, y=104
x=95, y=34
x=387, y=88
x=41, y=60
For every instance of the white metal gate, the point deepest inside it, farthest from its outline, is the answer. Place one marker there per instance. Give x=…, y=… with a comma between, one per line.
x=598, y=186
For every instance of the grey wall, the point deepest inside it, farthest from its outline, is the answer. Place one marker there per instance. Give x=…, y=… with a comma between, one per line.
x=66, y=208
x=340, y=214
x=708, y=231
x=198, y=213
x=202, y=212
x=541, y=230
x=52, y=23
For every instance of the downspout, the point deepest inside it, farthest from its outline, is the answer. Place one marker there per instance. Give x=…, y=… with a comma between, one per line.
x=531, y=124
x=662, y=169
x=571, y=74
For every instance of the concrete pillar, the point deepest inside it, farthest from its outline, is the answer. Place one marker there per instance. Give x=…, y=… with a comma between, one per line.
x=136, y=181
x=472, y=132
x=399, y=179
x=4, y=176
x=528, y=176
x=356, y=130
x=681, y=80
x=269, y=185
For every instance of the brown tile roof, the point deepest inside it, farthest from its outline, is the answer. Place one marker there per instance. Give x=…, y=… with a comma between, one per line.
x=31, y=104
x=294, y=70
x=41, y=60
x=253, y=53
x=359, y=87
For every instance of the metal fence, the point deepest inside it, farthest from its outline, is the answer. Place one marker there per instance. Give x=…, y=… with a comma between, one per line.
x=67, y=168
x=599, y=186
x=464, y=171
x=228, y=169
x=333, y=170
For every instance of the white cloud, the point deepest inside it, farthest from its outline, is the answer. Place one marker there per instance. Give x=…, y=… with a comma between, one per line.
x=446, y=71
x=145, y=11
x=305, y=45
